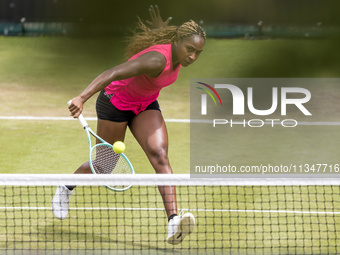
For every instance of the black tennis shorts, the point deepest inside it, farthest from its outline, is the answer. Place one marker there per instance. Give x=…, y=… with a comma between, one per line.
x=107, y=111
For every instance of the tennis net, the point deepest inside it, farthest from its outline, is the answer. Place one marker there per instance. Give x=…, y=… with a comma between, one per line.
x=232, y=216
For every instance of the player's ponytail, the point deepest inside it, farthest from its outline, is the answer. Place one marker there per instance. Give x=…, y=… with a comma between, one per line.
x=144, y=37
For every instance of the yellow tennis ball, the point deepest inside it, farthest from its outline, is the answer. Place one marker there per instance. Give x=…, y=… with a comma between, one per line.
x=118, y=147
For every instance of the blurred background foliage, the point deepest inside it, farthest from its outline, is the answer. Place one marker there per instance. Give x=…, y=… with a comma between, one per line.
x=112, y=17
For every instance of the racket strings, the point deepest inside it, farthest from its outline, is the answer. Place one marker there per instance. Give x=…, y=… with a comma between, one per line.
x=105, y=161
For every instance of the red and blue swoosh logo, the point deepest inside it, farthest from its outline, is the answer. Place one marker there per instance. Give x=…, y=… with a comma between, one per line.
x=209, y=93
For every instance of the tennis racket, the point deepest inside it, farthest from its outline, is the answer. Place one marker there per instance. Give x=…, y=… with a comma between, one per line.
x=102, y=158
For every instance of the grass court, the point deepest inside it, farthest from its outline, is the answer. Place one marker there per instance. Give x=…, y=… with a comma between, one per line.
x=40, y=74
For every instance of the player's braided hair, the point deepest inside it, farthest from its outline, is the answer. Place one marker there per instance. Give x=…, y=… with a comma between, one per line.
x=144, y=37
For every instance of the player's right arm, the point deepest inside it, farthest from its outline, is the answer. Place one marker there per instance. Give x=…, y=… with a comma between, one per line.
x=151, y=63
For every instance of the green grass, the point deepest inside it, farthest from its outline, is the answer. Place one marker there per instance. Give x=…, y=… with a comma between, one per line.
x=61, y=147
x=39, y=75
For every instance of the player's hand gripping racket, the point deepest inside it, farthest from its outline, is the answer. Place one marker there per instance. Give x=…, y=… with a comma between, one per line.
x=102, y=158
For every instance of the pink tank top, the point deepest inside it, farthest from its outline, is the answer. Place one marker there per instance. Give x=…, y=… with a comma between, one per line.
x=136, y=93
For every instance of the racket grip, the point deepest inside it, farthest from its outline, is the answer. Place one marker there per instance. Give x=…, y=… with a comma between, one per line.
x=82, y=121
x=80, y=118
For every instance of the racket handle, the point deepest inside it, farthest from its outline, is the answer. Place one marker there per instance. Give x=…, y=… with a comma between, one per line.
x=80, y=118
x=82, y=121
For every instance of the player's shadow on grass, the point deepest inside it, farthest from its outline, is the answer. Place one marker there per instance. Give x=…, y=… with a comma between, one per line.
x=73, y=237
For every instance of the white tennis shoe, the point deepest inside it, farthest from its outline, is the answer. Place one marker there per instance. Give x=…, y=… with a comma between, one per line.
x=180, y=227
x=60, y=202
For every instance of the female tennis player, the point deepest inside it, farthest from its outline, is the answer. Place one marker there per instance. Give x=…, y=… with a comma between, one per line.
x=128, y=98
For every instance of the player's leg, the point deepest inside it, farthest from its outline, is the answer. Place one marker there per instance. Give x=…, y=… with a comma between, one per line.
x=150, y=131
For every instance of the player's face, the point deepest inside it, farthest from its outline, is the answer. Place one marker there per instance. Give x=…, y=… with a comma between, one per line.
x=187, y=50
